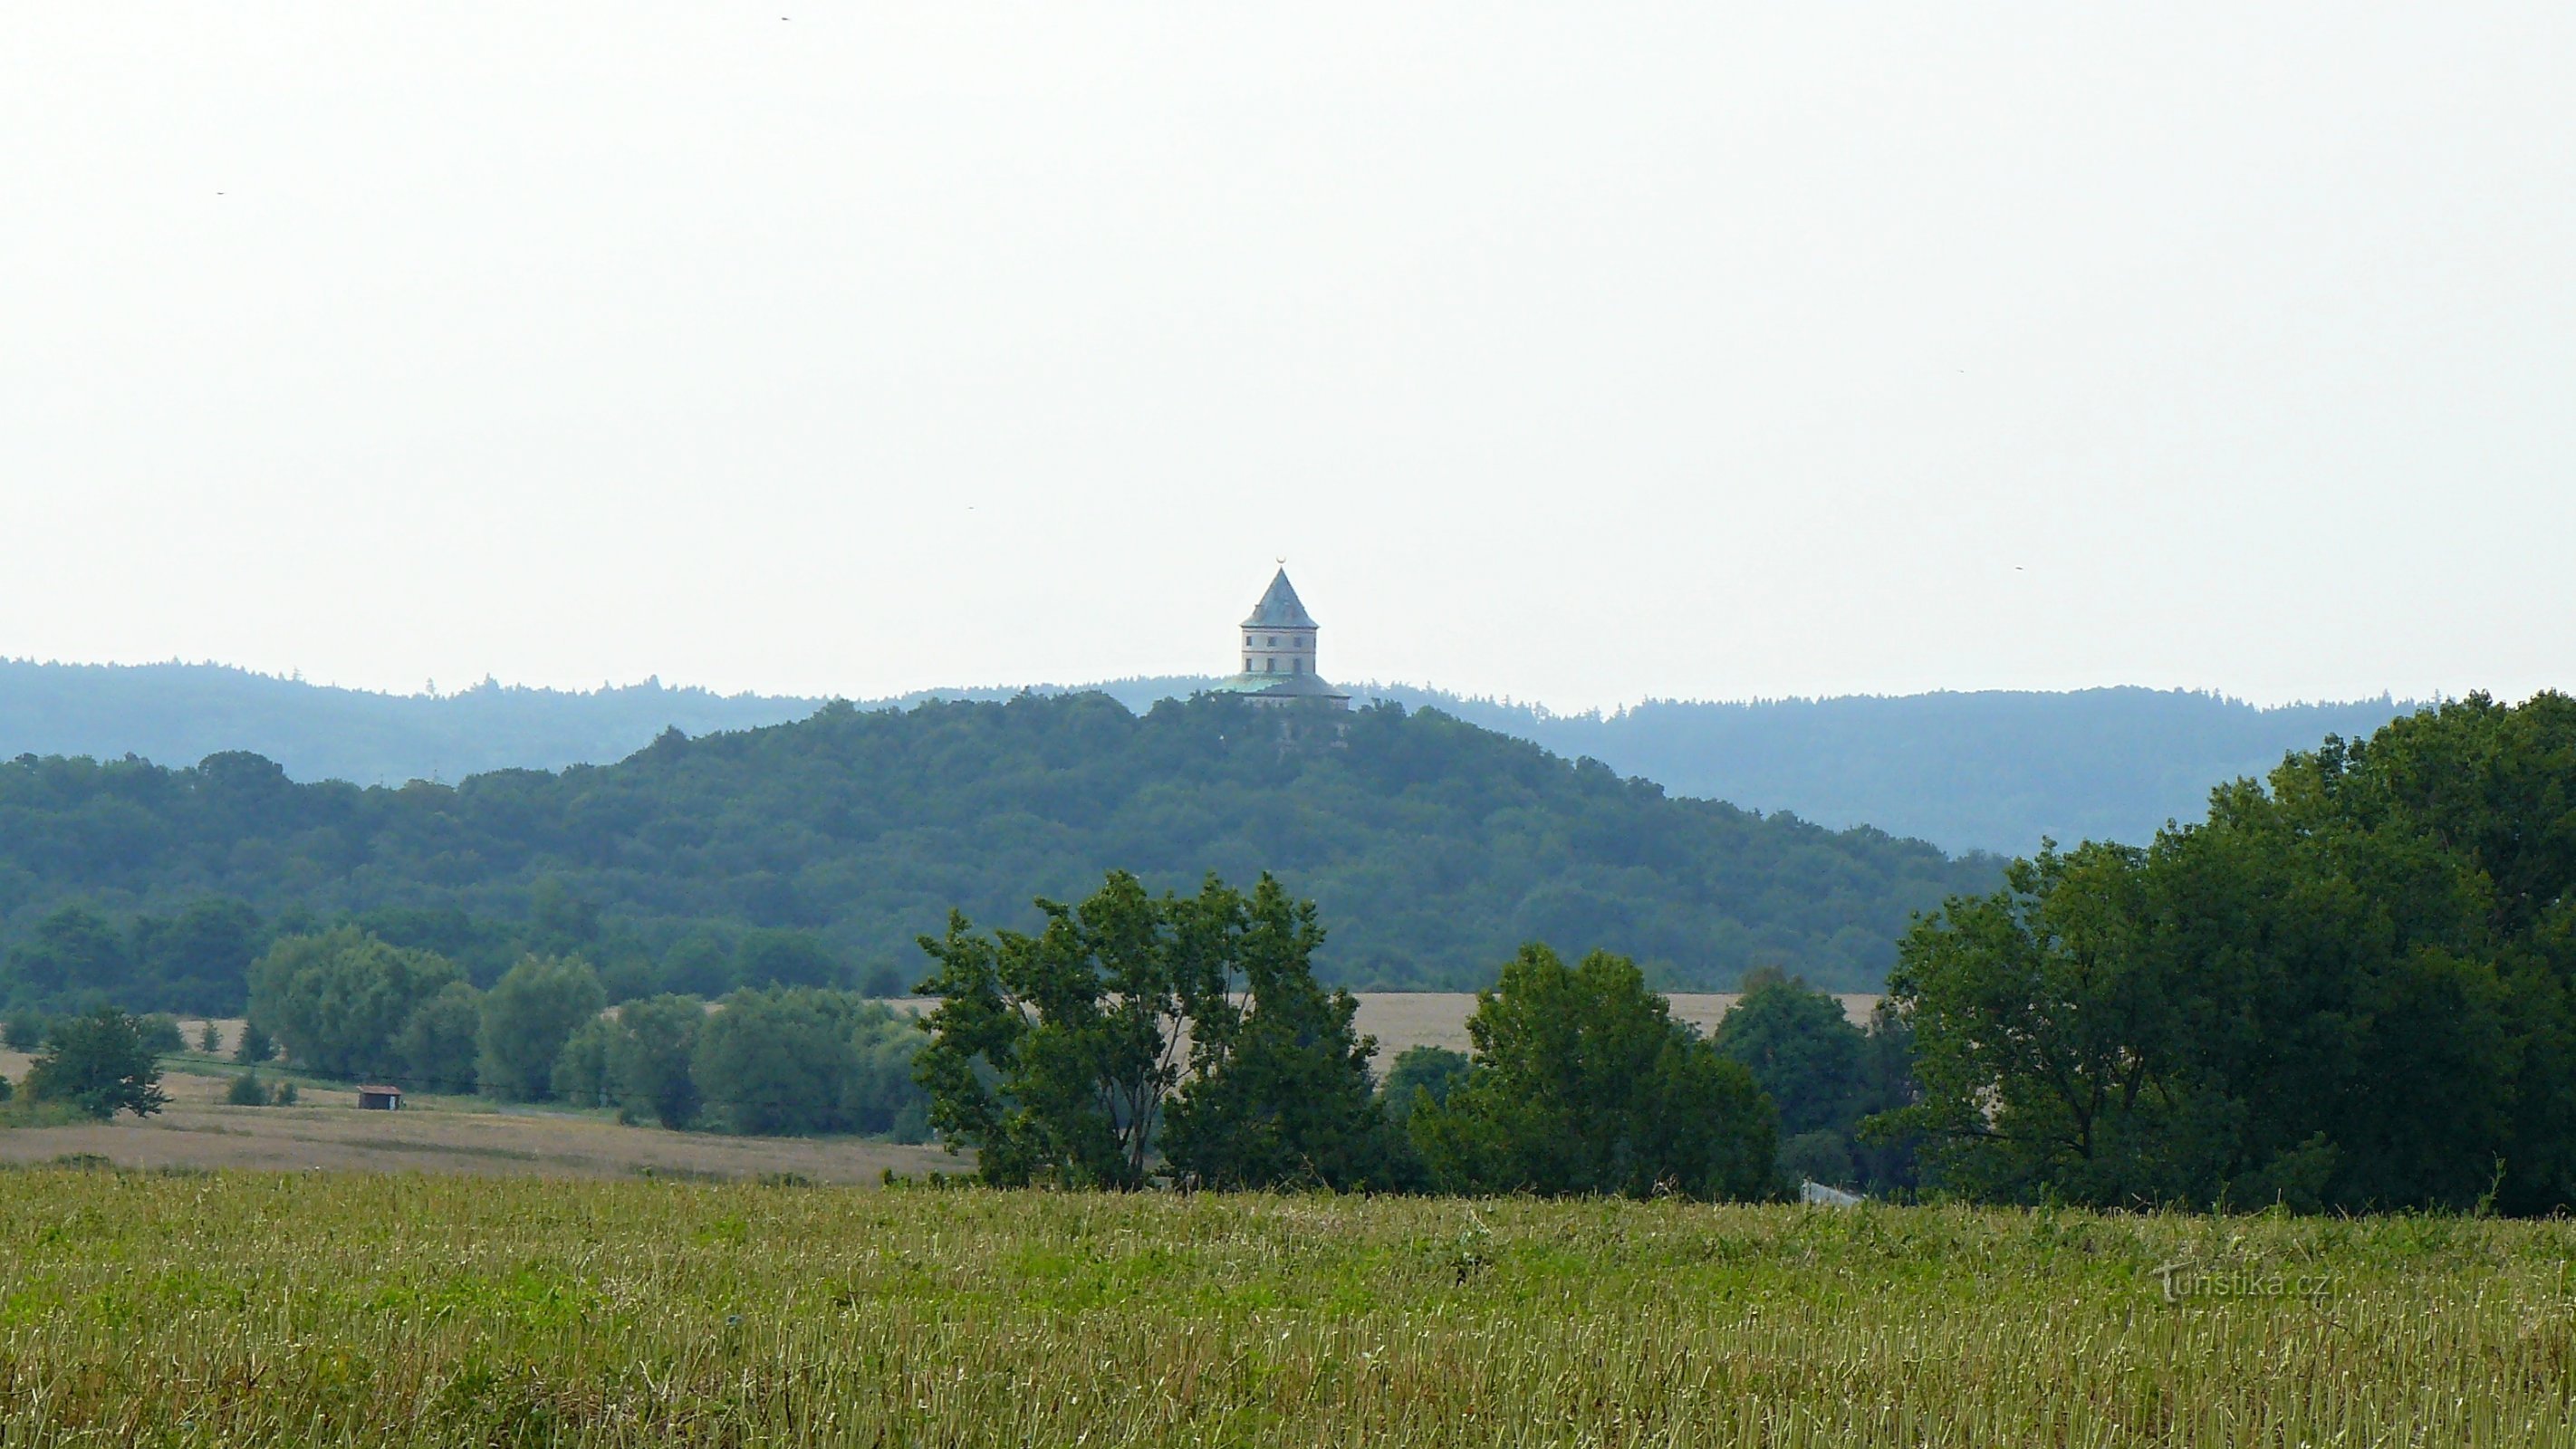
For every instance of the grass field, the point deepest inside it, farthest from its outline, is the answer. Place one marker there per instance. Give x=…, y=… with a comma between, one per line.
x=161, y=1308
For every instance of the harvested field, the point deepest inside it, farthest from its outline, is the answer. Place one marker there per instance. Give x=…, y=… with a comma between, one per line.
x=1400, y=1019
x=326, y=1131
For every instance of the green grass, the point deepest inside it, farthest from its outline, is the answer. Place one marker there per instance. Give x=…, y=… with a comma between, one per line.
x=318, y=1309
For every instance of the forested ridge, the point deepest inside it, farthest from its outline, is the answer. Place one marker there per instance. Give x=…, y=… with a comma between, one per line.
x=1433, y=847
x=1990, y=770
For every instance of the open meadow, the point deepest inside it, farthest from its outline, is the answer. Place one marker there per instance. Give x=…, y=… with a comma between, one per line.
x=331, y=1308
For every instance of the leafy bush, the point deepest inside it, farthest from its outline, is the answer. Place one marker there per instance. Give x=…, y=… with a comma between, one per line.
x=99, y=1063
x=1583, y=1083
x=161, y=1035
x=245, y=1090
x=24, y=1029
x=255, y=1046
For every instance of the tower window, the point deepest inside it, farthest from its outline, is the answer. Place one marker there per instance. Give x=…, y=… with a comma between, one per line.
x=1247, y=641
x=1269, y=666
x=1274, y=641
x=1247, y=664
x=1296, y=666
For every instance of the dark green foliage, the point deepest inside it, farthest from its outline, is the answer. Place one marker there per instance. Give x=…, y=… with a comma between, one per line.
x=698, y=964
x=2350, y=990
x=638, y=1059
x=650, y=1067
x=198, y=960
x=99, y=1063
x=1435, y=846
x=1419, y=1073
x=1991, y=769
x=284, y=1096
x=440, y=1044
x=210, y=1039
x=337, y=1000
x=1053, y=1055
x=1279, y=1093
x=246, y=1090
x=784, y=958
x=24, y=1029
x=161, y=1035
x=1824, y=1075
x=528, y=1015
x=1058, y=1056
x=1802, y=1050
x=799, y=1060
x=255, y=1046
x=1583, y=1083
x=72, y=952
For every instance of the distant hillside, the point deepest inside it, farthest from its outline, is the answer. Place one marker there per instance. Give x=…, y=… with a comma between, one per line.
x=1434, y=847
x=1992, y=771
x=1983, y=771
x=177, y=714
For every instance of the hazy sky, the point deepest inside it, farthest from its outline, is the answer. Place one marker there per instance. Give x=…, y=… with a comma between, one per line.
x=1576, y=354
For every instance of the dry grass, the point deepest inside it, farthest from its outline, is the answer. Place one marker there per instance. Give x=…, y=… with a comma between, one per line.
x=1400, y=1019
x=326, y=1130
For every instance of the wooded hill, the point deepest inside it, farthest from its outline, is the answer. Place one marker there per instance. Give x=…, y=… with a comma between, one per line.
x=1433, y=847
x=1990, y=770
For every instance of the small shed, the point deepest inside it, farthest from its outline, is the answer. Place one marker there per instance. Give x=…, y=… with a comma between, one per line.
x=380, y=1098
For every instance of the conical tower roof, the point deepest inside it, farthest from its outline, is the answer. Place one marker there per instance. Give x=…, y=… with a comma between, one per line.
x=1279, y=608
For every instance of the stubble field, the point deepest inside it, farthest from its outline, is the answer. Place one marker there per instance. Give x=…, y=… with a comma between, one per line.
x=264, y=1308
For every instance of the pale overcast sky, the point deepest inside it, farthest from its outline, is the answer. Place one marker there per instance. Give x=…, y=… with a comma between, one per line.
x=1577, y=354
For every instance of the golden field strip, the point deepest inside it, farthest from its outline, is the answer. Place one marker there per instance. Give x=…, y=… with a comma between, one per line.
x=349, y=1308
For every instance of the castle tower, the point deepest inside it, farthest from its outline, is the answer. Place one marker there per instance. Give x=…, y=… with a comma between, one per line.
x=1278, y=653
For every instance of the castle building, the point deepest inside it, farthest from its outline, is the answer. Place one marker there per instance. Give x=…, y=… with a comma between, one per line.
x=1278, y=653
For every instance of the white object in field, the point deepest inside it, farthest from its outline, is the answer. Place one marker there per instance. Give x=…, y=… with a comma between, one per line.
x=1812, y=1191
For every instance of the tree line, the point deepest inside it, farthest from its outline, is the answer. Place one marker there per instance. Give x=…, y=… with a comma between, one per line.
x=1136, y=1039
x=761, y=1060
x=1133, y=1039
x=1437, y=846
x=2353, y=989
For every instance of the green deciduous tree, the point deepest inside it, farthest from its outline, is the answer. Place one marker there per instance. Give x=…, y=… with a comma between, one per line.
x=2350, y=989
x=1422, y=1073
x=1583, y=1083
x=1279, y=1091
x=337, y=1000
x=72, y=953
x=101, y=1064
x=801, y=1060
x=1053, y=1054
x=255, y=1046
x=528, y=1015
x=440, y=1043
x=638, y=1059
